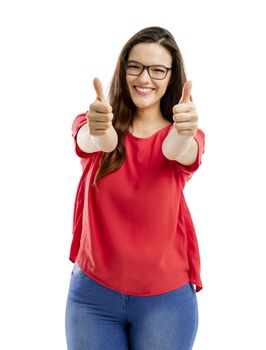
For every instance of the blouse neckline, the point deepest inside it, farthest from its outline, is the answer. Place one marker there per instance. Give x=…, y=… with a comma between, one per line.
x=148, y=137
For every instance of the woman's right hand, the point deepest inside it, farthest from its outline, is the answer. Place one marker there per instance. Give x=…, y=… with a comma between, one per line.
x=99, y=116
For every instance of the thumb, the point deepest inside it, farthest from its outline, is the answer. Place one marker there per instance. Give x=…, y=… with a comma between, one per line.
x=186, y=91
x=98, y=89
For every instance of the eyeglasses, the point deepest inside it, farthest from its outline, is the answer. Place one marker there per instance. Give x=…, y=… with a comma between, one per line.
x=157, y=71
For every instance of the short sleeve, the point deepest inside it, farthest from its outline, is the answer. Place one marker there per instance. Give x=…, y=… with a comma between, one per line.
x=80, y=120
x=190, y=169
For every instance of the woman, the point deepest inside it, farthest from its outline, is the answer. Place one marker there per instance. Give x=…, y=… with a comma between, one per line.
x=134, y=244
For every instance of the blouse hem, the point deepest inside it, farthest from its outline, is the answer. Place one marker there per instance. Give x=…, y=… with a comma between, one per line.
x=128, y=292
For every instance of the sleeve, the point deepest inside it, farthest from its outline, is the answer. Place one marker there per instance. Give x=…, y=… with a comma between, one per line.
x=77, y=123
x=190, y=169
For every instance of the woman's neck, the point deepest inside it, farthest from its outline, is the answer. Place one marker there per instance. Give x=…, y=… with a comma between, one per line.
x=146, y=125
x=148, y=119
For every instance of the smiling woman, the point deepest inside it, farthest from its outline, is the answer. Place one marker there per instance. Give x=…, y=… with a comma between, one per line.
x=134, y=243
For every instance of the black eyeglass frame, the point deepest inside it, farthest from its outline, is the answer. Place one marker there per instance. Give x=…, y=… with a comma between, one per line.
x=148, y=69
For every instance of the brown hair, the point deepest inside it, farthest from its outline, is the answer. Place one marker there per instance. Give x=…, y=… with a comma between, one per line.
x=120, y=100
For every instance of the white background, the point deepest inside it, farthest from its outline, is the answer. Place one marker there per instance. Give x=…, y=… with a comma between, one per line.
x=50, y=52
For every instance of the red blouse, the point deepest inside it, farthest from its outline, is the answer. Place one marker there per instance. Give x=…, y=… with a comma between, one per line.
x=134, y=233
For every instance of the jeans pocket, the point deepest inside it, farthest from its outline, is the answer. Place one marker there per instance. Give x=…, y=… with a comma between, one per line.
x=77, y=272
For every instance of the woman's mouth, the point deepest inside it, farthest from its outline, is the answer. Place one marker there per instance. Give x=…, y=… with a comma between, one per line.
x=143, y=90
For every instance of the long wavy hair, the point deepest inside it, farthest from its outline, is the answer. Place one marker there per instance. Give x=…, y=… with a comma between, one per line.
x=119, y=98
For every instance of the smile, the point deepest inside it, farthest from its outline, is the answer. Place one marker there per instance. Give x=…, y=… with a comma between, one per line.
x=145, y=91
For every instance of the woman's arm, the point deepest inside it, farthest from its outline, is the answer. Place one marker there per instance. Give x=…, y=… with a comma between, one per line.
x=183, y=149
x=180, y=144
x=89, y=143
x=98, y=134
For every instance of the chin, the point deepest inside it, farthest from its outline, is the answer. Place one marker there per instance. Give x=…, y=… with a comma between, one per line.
x=142, y=104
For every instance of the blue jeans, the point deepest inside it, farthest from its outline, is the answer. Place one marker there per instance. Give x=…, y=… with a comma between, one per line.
x=100, y=318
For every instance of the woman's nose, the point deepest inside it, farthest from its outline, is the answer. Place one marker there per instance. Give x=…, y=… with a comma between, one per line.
x=144, y=76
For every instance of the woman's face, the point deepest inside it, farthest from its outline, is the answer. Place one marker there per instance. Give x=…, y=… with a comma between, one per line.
x=146, y=92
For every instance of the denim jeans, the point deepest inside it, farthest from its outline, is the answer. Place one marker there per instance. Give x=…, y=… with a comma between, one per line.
x=100, y=318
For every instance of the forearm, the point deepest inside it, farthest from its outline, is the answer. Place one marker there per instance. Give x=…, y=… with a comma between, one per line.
x=181, y=148
x=89, y=143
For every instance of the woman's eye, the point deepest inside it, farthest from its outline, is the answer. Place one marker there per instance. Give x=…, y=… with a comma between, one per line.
x=133, y=66
x=158, y=70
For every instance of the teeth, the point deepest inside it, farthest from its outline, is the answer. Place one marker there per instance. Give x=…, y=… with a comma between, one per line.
x=144, y=90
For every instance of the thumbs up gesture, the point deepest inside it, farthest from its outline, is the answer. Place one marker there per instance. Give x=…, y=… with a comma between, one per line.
x=99, y=116
x=184, y=113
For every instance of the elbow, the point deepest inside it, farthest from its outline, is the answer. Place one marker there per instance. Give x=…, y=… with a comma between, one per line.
x=166, y=153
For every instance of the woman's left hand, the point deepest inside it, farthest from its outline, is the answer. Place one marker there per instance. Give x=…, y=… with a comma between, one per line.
x=185, y=116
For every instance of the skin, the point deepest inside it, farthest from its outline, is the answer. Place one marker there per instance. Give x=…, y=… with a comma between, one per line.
x=148, y=116
x=184, y=113
x=148, y=105
x=99, y=116
x=148, y=113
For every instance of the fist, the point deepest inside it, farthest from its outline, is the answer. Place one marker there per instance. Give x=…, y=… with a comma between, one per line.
x=184, y=113
x=99, y=116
